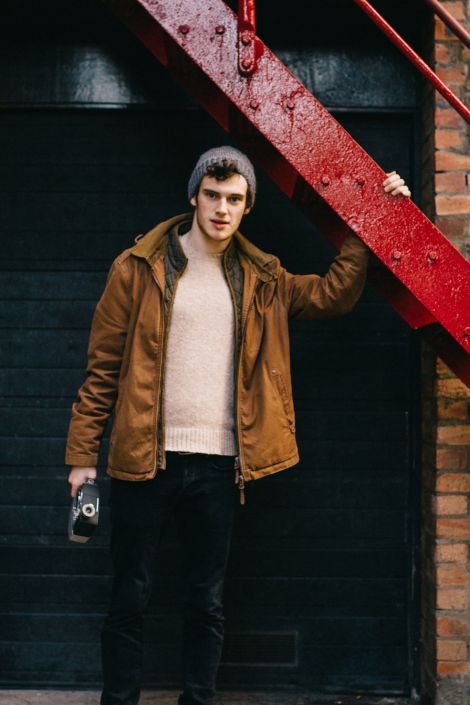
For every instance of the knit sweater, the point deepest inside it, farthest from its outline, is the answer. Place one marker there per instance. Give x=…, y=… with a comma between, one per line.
x=198, y=401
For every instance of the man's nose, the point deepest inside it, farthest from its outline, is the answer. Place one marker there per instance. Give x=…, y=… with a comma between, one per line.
x=222, y=205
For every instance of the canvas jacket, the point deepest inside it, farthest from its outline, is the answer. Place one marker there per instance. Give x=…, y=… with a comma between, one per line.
x=126, y=351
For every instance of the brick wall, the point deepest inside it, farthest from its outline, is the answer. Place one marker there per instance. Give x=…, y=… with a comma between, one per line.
x=446, y=400
x=452, y=156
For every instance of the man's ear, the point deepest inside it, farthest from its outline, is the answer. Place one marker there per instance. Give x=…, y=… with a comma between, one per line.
x=193, y=201
x=247, y=210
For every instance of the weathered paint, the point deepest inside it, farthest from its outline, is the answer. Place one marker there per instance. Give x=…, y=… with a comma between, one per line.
x=314, y=161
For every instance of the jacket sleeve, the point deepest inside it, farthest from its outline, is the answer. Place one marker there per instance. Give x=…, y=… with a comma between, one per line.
x=97, y=395
x=336, y=293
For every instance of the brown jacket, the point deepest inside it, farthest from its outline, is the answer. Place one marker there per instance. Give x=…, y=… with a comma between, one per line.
x=126, y=352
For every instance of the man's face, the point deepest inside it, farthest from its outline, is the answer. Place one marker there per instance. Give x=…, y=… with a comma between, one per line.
x=220, y=206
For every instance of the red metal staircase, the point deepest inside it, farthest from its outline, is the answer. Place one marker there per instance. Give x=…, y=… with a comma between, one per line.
x=256, y=99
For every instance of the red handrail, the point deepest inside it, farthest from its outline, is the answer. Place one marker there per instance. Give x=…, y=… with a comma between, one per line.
x=450, y=21
x=421, y=65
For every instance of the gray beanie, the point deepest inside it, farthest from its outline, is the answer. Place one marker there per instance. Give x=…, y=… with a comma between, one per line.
x=215, y=156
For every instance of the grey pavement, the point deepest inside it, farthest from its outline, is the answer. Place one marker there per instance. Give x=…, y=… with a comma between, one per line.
x=68, y=697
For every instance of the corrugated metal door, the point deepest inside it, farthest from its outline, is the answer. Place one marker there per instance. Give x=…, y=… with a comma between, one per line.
x=319, y=592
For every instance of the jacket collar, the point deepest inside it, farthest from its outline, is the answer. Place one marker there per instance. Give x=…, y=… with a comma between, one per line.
x=153, y=244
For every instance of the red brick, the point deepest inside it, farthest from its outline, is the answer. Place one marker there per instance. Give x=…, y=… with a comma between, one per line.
x=449, y=626
x=451, y=650
x=453, y=482
x=451, y=575
x=451, y=459
x=451, y=553
x=441, y=31
x=442, y=53
x=457, y=90
x=450, y=182
x=452, y=204
x=449, y=409
x=448, y=117
x=454, y=435
x=442, y=369
x=451, y=161
x=448, y=668
x=452, y=388
x=451, y=599
x=449, y=138
x=456, y=8
x=445, y=505
x=452, y=75
x=454, y=227
x=453, y=529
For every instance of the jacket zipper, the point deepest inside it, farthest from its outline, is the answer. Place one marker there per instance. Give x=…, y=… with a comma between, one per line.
x=239, y=479
x=239, y=460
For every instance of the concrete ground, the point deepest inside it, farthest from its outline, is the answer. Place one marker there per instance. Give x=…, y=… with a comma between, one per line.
x=67, y=697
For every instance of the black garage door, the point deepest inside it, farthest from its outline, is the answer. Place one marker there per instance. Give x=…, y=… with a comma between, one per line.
x=320, y=590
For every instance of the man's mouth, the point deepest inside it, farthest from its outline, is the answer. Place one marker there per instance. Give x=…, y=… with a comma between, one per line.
x=219, y=224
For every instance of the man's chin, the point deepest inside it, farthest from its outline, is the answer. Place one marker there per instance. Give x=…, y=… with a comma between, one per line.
x=220, y=235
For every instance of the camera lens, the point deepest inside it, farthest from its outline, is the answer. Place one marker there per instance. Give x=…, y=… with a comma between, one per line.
x=89, y=510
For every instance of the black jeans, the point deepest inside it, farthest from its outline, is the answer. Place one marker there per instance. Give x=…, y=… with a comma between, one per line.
x=199, y=491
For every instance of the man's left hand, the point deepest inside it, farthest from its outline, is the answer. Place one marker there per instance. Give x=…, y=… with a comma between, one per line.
x=394, y=184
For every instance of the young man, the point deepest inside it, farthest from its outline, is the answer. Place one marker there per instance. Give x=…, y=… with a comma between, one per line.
x=189, y=346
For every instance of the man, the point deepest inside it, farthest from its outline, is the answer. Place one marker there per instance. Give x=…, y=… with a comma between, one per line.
x=189, y=345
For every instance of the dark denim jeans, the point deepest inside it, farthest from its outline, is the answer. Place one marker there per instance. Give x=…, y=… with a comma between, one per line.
x=199, y=491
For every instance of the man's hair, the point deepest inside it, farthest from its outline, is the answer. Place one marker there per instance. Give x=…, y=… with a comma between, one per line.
x=222, y=171
x=221, y=163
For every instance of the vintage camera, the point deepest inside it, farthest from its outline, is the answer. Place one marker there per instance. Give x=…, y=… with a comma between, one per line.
x=84, y=512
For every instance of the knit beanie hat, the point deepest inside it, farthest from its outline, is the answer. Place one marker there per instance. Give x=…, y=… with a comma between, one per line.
x=215, y=156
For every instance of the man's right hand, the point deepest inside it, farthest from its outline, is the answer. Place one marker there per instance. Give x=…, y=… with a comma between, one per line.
x=78, y=476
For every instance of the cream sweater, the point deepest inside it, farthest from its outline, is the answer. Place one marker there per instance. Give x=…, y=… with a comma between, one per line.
x=198, y=401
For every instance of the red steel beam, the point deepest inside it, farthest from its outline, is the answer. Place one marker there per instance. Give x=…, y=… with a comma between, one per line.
x=314, y=161
x=450, y=21
x=247, y=42
x=414, y=58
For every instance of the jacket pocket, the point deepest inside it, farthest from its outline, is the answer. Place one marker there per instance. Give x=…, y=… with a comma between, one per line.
x=284, y=395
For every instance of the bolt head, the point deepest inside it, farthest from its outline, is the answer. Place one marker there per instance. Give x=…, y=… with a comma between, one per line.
x=396, y=255
x=245, y=39
x=183, y=28
x=325, y=180
x=360, y=180
x=220, y=29
x=254, y=104
x=247, y=64
x=290, y=104
x=432, y=257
